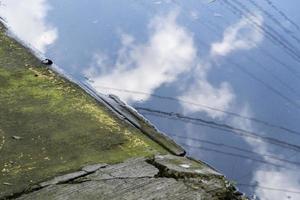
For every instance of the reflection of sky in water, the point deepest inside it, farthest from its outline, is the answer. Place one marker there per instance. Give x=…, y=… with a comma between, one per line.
x=205, y=57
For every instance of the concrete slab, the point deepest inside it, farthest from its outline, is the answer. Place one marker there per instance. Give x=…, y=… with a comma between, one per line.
x=120, y=182
x=49, y=126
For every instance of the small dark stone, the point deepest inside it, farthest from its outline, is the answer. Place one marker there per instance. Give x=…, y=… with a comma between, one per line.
x=238, y=193
x=47, y=62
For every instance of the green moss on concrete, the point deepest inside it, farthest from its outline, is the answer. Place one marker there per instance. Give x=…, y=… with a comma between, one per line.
x=58, y=127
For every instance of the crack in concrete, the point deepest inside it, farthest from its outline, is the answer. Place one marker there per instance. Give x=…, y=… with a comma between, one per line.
x=55, y=181
x=208, y=185
x=70, y=179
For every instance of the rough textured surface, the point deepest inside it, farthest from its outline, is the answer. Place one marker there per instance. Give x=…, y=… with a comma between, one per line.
x=147, y=128
x=49, y=126
x=140, y=179
x=181, y=166
x=92, y=168
x=132, y=168
x=63, y=178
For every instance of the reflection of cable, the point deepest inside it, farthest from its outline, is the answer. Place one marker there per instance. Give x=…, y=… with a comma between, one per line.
x=262, y=82
x=223, y=127
x=275, y=21
x=270, y=72
x=235, y=148
x=265, y=84
x=268, y=31
x=237, y=155
x=282, y=14
x=267, y=188
x=214, y=28
x=288, y=67
x=265, y=123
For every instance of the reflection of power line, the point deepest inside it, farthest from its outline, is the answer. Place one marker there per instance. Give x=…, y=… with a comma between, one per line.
x=218, y=126
x=233, y=114
x=282, y=14
x=214, y=28
x=268, y=31
x=235, y=148
x=267, y=188
x=236, y=155
x=288, y=67
x=275, y=20
x=217, y=28
x=269, y=72
x=264, y=83
x=274, y=76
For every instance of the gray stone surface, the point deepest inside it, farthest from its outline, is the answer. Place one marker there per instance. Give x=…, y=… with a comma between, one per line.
x=132, y=168
x=129, y=189
x=140, y=179
x=184, y=166
x=63, y=178
x=92, y=168
x=71, y=176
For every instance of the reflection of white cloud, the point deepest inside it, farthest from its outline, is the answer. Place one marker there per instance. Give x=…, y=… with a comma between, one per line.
x=268, y=176
x=26, y=19
x=203, y=93
x=260, y=148
x=240, y=36
x=99, y=59
x=287, y=179
x=169, y=52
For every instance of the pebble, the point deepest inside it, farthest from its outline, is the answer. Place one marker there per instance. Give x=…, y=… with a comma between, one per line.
x=16, y=137
x=47, y=62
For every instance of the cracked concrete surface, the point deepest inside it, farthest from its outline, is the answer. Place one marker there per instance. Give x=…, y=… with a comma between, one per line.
x=161, y=177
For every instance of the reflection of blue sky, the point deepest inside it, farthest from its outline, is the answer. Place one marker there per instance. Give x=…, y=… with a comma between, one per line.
x=169, y=52
x=27, y=19
x=184, y=51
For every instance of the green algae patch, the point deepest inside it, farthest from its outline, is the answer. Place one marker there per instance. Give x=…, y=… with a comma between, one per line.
x=49, y=126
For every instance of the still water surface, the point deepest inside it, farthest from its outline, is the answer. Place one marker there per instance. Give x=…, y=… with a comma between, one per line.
x=220, y=77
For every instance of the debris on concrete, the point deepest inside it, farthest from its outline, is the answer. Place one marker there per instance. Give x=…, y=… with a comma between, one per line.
x=16, y=137
x=47, y=62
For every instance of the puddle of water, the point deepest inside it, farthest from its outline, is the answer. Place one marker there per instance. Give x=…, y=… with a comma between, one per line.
x=220, y=77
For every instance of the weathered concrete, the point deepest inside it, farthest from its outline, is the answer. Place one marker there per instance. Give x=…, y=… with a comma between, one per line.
x=142, y=179
x=49, y=126
x=183, y=167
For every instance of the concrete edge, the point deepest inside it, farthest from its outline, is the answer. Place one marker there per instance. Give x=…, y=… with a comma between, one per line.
x=125, y=112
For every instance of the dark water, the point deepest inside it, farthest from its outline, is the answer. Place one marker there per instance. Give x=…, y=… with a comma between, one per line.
x=220, y=77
